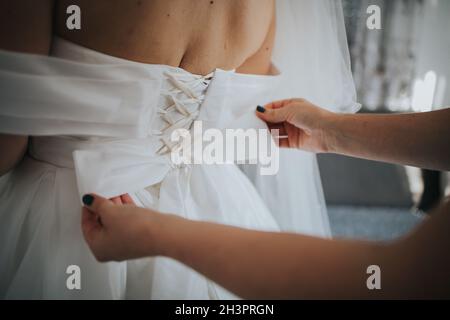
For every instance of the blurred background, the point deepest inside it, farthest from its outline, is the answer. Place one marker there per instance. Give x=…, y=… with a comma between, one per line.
x=403, y=67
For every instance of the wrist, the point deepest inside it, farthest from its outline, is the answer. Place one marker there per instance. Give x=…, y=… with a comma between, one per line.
x=329, y=133
x=166, y=231
x=154, y=235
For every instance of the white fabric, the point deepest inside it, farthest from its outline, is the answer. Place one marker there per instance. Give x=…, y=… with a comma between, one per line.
x=312, y=55
x=40, y=214
x=96, y=126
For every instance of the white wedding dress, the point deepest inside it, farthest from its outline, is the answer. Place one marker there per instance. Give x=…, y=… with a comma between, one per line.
x=100, y=124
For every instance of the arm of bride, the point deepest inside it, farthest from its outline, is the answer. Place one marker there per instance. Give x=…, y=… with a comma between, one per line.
x=263, y=265
x=24, y=27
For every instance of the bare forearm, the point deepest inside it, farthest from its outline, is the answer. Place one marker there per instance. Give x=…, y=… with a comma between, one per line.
x=406, y=138
x=262, y=265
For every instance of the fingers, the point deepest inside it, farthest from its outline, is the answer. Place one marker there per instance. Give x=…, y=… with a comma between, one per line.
x=126, y=199
x=278, y=104
x=277, y=129
x=117, y=200
x=279, y=111
x=93, y=232
x=96, y=203
x=88, y=219
x=89, y=224
x=274, y=115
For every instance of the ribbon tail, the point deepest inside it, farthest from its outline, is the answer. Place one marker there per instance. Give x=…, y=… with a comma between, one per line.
x=111, y=174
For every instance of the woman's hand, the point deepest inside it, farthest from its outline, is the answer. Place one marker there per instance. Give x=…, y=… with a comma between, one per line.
x=303, y=123
x=119, y=230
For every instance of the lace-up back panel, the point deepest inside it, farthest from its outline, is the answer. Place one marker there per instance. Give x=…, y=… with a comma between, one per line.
x=180, y=98
x=182, y=95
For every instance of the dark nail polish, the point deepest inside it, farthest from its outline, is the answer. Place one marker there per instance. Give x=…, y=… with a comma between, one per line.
x=260, y=109
x=88, y=199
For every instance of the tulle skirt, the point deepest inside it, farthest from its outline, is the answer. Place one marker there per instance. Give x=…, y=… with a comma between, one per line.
x=41, y=237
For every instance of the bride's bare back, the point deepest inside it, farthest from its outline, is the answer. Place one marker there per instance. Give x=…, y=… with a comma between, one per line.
x=197, y=35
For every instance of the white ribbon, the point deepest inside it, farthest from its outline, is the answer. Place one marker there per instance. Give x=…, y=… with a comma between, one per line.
x=113, y=173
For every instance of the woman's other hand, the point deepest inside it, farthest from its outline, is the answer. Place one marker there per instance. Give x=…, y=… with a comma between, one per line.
x=119, y=230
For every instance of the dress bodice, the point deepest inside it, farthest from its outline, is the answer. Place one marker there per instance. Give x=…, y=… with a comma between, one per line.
x=110, y=118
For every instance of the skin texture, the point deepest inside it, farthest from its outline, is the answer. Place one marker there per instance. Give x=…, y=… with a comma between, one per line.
x=260, y=265
x=197, y=35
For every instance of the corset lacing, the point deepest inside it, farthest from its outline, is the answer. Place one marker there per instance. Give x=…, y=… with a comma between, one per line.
x=181, y=106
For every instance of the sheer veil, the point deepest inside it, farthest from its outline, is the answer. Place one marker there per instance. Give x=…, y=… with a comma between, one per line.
x=312, y=55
